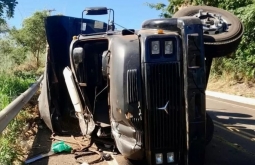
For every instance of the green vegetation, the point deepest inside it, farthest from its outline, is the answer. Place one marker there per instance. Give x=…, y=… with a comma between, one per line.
x=241, y=65
x=13, y=83
x=21, y=63
x=11, y=87
x=7, y=8
x=32, y=36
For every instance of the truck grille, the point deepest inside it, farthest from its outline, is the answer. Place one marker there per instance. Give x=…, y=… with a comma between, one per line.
x=164, y=85
x=132, y=92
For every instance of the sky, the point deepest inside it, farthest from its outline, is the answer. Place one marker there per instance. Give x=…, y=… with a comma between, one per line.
x=129, y=13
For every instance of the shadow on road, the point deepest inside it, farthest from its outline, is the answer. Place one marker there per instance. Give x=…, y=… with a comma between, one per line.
x=41, y=145
x=240, y=121
x=230, y=147
x=222, y=152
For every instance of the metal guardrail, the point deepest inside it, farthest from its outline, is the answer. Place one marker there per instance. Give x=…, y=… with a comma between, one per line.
x=11, y=111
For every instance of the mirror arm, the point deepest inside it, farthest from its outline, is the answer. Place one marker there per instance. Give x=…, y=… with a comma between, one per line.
x=82, y=20
x=112, y=23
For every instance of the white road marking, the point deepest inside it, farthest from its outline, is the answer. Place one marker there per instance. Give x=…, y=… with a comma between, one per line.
x=239, y=99
x=231, y=104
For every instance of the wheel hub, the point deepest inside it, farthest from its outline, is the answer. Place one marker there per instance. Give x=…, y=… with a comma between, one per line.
x=212, y=23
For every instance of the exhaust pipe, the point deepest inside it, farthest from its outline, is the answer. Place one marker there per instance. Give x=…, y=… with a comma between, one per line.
x=86, y=126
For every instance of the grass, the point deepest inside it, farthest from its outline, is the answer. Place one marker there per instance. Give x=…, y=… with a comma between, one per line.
x=231, y=86
x=232, y=76
x=11, y=87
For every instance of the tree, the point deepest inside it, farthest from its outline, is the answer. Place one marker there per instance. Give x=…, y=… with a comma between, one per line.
x=175, y=5
x=32, y=35
x=4, y=28
x=242, y=66
x=5, y=47
x=167, y=11
x=9, y=50
x=7, y=9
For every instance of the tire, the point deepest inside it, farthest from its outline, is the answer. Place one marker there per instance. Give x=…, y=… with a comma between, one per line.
x=209, y=129
x=218, y=45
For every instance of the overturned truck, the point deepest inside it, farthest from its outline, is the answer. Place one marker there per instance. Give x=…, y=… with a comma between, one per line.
x=143, y=90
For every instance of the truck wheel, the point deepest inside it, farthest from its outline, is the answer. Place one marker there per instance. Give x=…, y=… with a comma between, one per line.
x=222, y=30
x=209, y=129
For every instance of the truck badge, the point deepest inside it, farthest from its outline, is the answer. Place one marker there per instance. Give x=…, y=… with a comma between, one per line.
x=164, y=108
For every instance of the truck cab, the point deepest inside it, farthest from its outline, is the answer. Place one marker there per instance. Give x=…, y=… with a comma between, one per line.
x=141, y=91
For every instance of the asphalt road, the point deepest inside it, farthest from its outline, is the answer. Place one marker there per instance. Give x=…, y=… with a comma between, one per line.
x=234, y=136
x=233, y=142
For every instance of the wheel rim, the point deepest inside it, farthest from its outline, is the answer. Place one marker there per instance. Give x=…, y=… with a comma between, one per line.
x=213, y=23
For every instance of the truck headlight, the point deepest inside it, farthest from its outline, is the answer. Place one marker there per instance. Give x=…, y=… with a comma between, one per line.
x=155, y=47
x=170, y=157
x=168, y=47
x=159, y=158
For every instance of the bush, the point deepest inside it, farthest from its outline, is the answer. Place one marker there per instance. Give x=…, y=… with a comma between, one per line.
x=11, y=87
x=241, y=66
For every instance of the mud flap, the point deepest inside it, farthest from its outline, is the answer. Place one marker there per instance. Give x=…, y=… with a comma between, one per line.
x=86, y=123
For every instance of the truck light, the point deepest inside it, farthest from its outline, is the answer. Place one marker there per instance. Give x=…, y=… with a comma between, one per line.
x=168, y=47
x=159, y=158
x=170, y=157
x=160, y=31
x=155, y=47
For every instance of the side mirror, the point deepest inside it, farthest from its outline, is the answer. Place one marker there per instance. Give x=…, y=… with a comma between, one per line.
x=78, y=54
x=96, y=11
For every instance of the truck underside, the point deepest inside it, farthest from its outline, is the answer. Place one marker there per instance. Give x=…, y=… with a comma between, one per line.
x=60, y=109
x=178, y=83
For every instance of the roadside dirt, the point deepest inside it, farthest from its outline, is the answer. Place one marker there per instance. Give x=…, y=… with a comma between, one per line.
x=42, y=144
x=36, y=140
x=232, y=87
